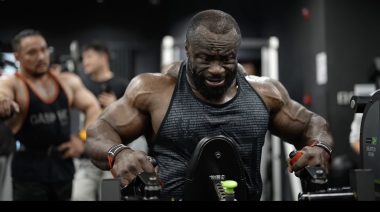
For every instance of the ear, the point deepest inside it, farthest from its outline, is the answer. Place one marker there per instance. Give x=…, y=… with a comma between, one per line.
x=17, y=55
x=105, y=56
x=187, y=48
x=102, y=54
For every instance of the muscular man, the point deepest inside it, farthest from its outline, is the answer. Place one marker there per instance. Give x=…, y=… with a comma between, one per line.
x=36, y=104
x=107, y=88
x=207, y=95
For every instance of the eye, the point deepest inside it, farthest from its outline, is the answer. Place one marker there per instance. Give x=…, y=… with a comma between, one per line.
x=232, y=56
x=229, y=58
x=31, y=52
x=44, y=50
x=202, y=57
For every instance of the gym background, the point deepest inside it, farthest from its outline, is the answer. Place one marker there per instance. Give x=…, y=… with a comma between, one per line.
x=346, y=31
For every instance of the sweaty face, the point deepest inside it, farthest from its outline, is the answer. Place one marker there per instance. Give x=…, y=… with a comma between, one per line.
x=33, y=55
x=212, y=62
x=92, y=61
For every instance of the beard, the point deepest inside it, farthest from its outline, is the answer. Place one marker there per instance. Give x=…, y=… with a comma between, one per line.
x=199, y=81
x=38, y=74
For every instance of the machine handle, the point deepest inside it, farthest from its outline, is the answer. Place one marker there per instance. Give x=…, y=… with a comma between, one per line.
x=358, y=103
x=294, y=156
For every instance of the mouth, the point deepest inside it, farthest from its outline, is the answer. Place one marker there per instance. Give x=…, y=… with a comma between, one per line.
x=42, y=65
x=215, y=82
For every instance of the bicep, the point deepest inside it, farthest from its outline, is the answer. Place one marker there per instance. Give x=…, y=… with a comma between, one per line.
x=289, y=120
x=83, y=99
x=127, y=120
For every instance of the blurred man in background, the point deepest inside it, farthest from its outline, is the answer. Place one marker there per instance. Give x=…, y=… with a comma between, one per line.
x=36, y=104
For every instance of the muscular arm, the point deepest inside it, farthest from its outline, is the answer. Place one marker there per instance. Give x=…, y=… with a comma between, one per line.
x=294, y=123
x=7, y=97
x=83, y=99
x=124, y=118
x=6, y=88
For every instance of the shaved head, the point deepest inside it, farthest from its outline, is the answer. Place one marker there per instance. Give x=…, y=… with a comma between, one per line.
x=212, y=42
x=214, y=21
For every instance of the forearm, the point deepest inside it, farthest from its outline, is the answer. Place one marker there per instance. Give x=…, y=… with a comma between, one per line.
x=92, y=113
x=317, y=130
x=100, y=138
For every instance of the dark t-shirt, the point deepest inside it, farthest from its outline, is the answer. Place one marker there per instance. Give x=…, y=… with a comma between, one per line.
x=115, y=85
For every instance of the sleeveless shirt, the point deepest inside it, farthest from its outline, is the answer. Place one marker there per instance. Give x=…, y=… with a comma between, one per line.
x=188, y=119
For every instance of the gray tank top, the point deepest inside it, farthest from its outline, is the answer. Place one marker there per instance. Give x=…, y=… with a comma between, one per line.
x=189, y=119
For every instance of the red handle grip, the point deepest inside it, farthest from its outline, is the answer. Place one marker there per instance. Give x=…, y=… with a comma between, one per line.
x=295, y=158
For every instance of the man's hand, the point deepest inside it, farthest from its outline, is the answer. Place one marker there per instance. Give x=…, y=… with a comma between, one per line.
x=128, y=164
x=8, y=107
x=311, y=156
x=106, y=99
x=72, y=148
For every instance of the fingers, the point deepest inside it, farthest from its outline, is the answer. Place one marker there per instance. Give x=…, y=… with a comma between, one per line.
x=65, y=150
x=129, y=174
x=73, y=148
x=311, y=156
x=146, y=163
x=63, y=147
x=16, y=107
x=69, y=153
x=130, y=164
x=8, y=107
x=77, y=145
x=298, y=173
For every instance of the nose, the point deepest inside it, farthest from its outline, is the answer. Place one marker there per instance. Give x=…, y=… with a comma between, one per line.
x=216, y=68
x=42, y=55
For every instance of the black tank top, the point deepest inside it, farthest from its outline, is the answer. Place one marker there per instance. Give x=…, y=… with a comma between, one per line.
x=46, y=126
x=189, y=119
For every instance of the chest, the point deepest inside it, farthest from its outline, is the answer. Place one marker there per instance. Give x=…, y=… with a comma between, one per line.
x=188, y=122
x=194, y=120
x=46, y=92
x=187, y=117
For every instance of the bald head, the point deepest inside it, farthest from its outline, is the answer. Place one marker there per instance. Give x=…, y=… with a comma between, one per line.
x=214, y=21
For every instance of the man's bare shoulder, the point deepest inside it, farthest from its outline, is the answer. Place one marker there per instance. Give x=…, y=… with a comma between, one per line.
x=149, y=90
x=69, y=80
x=172, y=69
x=10, y=81
x=68, y=77
x=269, y=89
x=8, y=78
x=261, y=83
x=156, y=81
x=151, y=82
